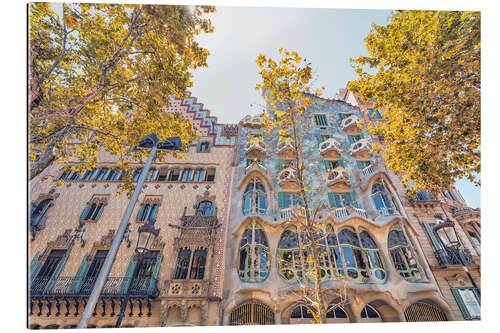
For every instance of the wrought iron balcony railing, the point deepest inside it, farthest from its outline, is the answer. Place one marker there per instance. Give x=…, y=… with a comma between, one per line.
x=82, y=287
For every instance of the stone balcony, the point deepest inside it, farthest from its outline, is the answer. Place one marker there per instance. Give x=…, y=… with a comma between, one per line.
x=330, y=149
x=343, y=213
x=185, y=288
x=286, y=150
x=338, y=180
x=287, y=180
x=350, y=125
x=361, y=150
x=255, y=149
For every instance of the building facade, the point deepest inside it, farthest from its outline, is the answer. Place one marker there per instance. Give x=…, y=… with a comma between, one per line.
x=229, y=243
x=179, y=282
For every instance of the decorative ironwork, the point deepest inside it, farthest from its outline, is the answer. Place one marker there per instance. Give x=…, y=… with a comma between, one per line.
x=422, y=311
x=252, y=314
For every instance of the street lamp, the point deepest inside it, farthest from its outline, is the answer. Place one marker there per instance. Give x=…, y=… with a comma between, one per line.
x=149, y=142
x=147, y=235
x=448, y=236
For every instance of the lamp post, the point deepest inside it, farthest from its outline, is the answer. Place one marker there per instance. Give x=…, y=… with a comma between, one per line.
x=448, y=236
x=149, y=142
x=147, y=235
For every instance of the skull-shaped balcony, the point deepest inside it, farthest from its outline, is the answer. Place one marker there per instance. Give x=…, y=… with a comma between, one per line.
x=255, y=149
x=338, y=180
x=330, y=149
x=362, y=150
x=350, y=125
x=287, y=180
x=286, y=150
x=252, y=122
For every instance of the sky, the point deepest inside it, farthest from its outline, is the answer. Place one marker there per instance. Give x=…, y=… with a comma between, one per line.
x=325, y=37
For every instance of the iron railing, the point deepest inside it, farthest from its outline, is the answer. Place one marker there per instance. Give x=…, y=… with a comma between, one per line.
x=454, y=256
x=82, y=287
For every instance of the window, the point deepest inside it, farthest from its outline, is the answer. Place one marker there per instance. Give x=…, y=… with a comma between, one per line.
x=199, y=175
x=203, y=146
x=187, y=175
x=250, y=313
x=174, y=175
x=93, y=272
x=114, y=174
x=210, y=174
x=137, y=174
x=289, y=256
x=147, y=213
x=92, y=212
x=102, y=173
x=422, y=311
x=74, y=175
x=372, y=252
x=198, y=261
x=162, y=174
x=288, y=200
x=340, y=200
x=354, y=260
x=205, y=208
x=468, y=301
x=254, y=266
x=475, y=240
x=50, y=266
x=384, y=201
x=334, y=258
x=254, y=198
x=336, y=313
x=144, y=271
x=152, y=173
x=370, y=314
x=320, y=120
x=374, y=114
x=37, y=212
x=353, y=138
x=330, y=165
x=362, y=164
x=89, y=174
x=402, y=255
x=198, y=264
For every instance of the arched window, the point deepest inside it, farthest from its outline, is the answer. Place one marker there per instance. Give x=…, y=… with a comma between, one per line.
x=92, y=212
x=182, y=266
x=301, y=315
x=422, y=311
x=334, y=256
x=383, y=199
x=289, y=256
x=147, y=212
x=254, y=198
x=374, y=259
x=369, y=314
x=402, y=255
x=308, y=266
x=205, y=208
x=251, y=313
x=253, y=265
x=352, y=254
x=38, y=212
x=336, y=314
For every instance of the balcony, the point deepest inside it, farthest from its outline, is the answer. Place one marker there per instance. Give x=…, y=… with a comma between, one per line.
x=454, y=256
x=330, y=149
x=338, y=180
x=255, y=149
x=288, y=213
x=350, y=125
x=362, y=150
x=186, y=288
x=286, y=150
x=287, y=180
x=343, y=213
x=252, y=122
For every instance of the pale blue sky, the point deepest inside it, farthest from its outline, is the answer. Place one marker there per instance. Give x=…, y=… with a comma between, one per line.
x=325, y=37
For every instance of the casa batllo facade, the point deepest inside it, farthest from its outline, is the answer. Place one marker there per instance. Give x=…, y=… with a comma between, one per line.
x=179, y=282
x=382, y=243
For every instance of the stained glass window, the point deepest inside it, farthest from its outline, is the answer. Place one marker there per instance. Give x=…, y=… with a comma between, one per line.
x=254, y=198
x=254, y=266
x=402, y=255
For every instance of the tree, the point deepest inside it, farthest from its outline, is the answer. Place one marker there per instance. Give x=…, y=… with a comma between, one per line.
x=426, y=76
x=287, y=85
x=101, y=74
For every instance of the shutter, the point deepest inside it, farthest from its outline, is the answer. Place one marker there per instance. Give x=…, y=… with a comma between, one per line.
x=128, y=275
x=139, y=213
x=327, y=164
x=331, y=200
x=56, y=273
x=198, y=145
x=99, y=213
x=154, y=211
x=32, y=208
x=476, y=293
x=460, y=302
x=35, y=222
x=35, y=266
x=154, y=278
x=341, y=163
x=77, y=282
x=281, y=200
x=436, y=244
x=84, y=213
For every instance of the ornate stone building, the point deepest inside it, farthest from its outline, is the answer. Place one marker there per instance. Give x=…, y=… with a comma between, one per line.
x=229, y=249
x=179, y=282
x=376, y=238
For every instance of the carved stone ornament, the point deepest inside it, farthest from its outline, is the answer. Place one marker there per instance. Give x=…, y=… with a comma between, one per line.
x=163, y=315
x=153, y=200
x=170, y=186
x=99, y=199
x=457, y=281
x=103, y=244
x=229, y=130
x=45, y=196
x=62, y=242
x=205, y=197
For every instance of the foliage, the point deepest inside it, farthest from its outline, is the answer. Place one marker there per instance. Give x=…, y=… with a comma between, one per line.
x=287, y=86
x=101, y=74
x=428, y=82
